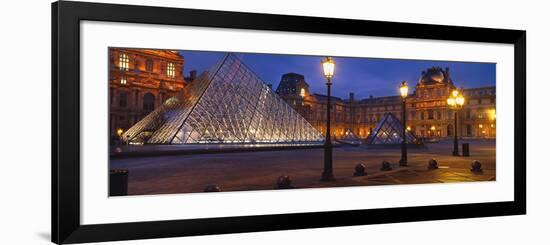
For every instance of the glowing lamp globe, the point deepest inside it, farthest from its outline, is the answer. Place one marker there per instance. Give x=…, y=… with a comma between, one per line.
x=455, y=93
x=404, y=89
x=451, y=101
x=460, y=100
x=328, y=67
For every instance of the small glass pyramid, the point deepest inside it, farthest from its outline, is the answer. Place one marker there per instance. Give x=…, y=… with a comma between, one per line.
x=389, y=131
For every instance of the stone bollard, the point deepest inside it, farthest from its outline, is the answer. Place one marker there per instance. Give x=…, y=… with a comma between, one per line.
x=284, y=182
x=432, y=164
x=465, y=149
x=212, y=188
x=476, y=167
x=386, y=166
x=360, y=170
x=118, y=182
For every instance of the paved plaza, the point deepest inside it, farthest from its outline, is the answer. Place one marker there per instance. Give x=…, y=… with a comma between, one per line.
x=260, y=170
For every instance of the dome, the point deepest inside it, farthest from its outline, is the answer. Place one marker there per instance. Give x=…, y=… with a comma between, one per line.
x=434, y=75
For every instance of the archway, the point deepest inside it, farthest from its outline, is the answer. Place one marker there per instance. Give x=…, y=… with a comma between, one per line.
x=148, y=102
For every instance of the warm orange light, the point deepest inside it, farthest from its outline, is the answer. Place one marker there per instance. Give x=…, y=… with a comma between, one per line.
x=328, y=67
x=455, y=93
x=480, y=126
x=460, y=100
x=451, y=101
x=492, y=114
x=302, y=92
x=119, y=132
x=408, y=128
x=456, y=99
x=432, y=128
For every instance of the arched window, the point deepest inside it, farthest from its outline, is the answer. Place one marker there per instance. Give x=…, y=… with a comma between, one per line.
x=449, y=130
x=148, y=102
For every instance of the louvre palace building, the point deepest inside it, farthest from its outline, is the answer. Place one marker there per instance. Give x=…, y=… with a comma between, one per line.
x=428, y=115
x=151, y=102
x=140, y=80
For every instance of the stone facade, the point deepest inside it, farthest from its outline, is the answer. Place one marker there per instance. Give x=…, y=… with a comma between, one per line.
x=140, y=80
x=428, y=115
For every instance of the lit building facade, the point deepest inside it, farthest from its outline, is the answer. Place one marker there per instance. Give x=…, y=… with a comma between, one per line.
x=140, y=80
x=428, y=115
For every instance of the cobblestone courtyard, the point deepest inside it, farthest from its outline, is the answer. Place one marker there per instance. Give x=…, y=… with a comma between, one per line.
x=260, y=170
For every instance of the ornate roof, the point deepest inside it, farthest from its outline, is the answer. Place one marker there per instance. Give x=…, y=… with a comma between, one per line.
x=435, y=75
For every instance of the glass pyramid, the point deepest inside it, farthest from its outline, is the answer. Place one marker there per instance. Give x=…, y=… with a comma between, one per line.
x=388, y=131
x=350, y=138
x=226, y=104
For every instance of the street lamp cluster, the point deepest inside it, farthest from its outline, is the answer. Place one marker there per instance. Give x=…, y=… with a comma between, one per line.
x=455, y=101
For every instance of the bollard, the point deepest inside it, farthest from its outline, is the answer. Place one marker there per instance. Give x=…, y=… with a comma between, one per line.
x=465, y=149
x=284, y=182
x=476, y=167
x=212, y=188
x=432, y=164
x=386, y=166
x=360, y=170
x=118, y=182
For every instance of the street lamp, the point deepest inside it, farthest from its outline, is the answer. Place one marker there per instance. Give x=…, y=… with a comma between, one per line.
x=455, y=101
x=328, y=71
x=404, y=90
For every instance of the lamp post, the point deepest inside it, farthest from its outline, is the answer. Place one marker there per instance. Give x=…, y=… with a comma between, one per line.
x=328, y=71
x=455, y=101
x=404, y=90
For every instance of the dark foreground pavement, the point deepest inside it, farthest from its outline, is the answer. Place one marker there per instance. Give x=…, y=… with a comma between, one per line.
x=259, y=170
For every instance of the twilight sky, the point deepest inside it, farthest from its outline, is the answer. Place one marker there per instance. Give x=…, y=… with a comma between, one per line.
x=363, y=76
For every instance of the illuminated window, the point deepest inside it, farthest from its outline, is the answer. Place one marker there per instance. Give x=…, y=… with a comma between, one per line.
x=123, y=81
x=123, y=62
x=302, y=92
x=171, y=70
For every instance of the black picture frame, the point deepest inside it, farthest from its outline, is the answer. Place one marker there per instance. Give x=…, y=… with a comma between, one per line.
x=66, y=18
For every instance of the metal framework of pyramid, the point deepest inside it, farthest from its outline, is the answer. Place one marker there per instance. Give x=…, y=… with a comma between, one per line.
x=226, y=104
x=388, y=131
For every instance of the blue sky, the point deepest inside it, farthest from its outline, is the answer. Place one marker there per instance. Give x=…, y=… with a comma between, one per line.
x=363, y=76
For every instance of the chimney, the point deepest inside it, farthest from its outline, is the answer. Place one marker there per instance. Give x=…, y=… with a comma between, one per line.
x=192, y=75
x=351, y=97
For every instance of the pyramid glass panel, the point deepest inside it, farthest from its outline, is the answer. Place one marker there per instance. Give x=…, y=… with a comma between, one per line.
x=226, y=104
x=389, y=131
